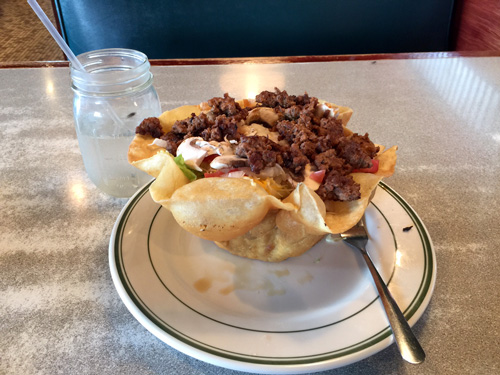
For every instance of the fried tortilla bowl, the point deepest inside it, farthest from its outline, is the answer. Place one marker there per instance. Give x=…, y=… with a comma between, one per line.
x=239, y=214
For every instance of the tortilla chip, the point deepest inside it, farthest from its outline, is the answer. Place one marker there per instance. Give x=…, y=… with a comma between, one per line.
x=387, y=162
x=146, y=156
x=260, y=130
x=262, y=114
x=168, y=118
x=247, y=103
x=343, y=113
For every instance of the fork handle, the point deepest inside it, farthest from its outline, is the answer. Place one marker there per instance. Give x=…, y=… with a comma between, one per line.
x=408, y=344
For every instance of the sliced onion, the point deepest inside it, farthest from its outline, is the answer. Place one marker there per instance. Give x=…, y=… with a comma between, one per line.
x=225, y=161
x=272, y=172
x=160, y=142
x=236, y=174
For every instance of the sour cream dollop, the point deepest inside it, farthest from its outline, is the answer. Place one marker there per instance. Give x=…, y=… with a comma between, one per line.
x=322, y=108
x=194, y=150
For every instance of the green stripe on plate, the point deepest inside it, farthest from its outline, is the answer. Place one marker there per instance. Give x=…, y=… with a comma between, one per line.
x=368, y=342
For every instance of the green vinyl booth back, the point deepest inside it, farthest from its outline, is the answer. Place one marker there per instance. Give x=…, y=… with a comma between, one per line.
x=169, y=29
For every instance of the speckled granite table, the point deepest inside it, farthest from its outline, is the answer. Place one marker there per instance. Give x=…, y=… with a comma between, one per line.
x=60, y=312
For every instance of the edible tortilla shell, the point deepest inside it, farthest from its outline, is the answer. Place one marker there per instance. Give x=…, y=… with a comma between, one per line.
x=238, y=214
x=288, y=234
x=342, y=216
x=220, y=209
x=272, y=240
x=142, y=152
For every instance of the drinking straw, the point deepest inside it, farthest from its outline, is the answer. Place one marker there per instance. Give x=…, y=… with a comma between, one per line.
x=68, y=52
x=52, y=30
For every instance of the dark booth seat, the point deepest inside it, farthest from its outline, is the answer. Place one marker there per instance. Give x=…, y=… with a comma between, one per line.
x=169, y=29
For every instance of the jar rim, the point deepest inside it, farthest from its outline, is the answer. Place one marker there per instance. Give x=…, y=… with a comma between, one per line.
x=110, y=70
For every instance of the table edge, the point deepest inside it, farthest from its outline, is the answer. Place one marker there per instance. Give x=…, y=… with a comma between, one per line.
x=274, y=59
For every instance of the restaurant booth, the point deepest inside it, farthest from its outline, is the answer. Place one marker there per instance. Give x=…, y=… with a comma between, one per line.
x=167, y=29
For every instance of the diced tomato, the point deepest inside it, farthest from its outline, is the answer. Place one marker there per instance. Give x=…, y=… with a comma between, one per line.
x=318, y=176
x=209, y=158
x=372, y=169
x=214, y=174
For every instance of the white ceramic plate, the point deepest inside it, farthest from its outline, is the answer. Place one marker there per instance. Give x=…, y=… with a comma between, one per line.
x=311, y=313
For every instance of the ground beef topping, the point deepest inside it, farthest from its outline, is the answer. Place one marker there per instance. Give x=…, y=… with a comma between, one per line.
x=295, y=162
x=173, y=140
x=280, y=99
x=227, y=106
x=337, y=187
x=328, y=160
x=151, y=126
x=308, y=134
x=219, y=124
x=260, y=151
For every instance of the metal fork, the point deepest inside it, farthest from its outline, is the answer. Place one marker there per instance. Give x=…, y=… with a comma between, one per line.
x=406, y=341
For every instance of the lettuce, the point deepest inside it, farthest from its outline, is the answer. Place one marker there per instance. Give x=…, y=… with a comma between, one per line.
x=188, y=172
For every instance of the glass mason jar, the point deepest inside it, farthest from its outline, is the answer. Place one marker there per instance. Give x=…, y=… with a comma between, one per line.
x=111, y=97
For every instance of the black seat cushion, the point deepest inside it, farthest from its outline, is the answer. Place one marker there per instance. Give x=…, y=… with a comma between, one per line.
x=203, y=29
